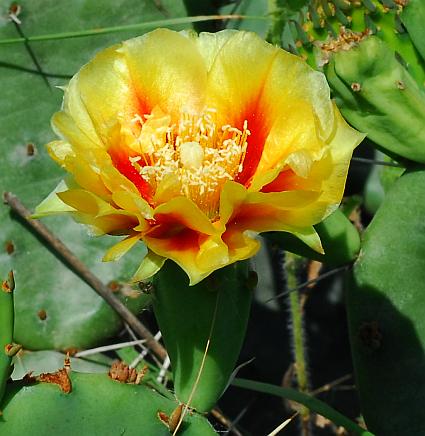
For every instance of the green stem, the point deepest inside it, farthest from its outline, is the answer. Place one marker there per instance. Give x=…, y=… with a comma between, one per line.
x=292, y=266
x=306, y=400
x=136, y=26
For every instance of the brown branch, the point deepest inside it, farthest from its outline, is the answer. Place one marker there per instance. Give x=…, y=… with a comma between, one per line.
x=86, y=275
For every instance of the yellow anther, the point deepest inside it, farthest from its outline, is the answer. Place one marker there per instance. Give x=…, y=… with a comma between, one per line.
x=202, y=154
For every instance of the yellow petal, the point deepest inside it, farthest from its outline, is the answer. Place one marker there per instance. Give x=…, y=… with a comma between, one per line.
x=86, y=202
x=310, y=237
x=290, y=85
x=235, y=84
x=263, y=212
x=113, y=223
x=115, y=181
x=88, y=178
x=198, y=255
x=99, y=215
x=74, y=120
x=232, y=196
x=341, y=145
x=299, y=113
x=183, y=233
x=52, y=204
x=240, y=62
x=167, y=71
x=106, y=91
x=132, y=202
x=328, y=175
x=60, y=151
x=213, y=253
x=249, y=213
x=293, y=132
x=210, y=44
x=150, y=265
x=121, y=248
x=185, y=212
x=66, y=126
x=168, y=188
x=242, y=245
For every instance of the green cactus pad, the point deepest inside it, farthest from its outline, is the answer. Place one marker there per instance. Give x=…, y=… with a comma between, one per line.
x=378, y=96
x=316, y=28
x=97, y=405
x=385, y=303
x=216, y=309
x=413, y=18
x=379, y=181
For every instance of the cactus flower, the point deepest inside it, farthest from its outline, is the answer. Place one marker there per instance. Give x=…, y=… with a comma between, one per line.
x=194, y=144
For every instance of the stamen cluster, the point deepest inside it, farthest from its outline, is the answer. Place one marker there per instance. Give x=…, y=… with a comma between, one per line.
x=198, y=153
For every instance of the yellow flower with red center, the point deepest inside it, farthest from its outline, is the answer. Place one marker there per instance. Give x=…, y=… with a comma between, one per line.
x=194, y=144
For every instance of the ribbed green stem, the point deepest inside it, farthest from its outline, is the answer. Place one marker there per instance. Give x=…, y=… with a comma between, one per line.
x=292, y=267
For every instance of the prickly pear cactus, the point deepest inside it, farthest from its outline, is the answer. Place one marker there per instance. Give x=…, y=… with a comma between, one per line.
x=379, y=96
x=385, y=309
x=95, y=405
x=203, y=326
x=372, y=54
x=325, y=26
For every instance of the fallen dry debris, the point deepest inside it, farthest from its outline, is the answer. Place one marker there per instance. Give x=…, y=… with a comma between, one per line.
x=172, y=421
x=8, y=285
x=123, y=373
x=60, y=378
